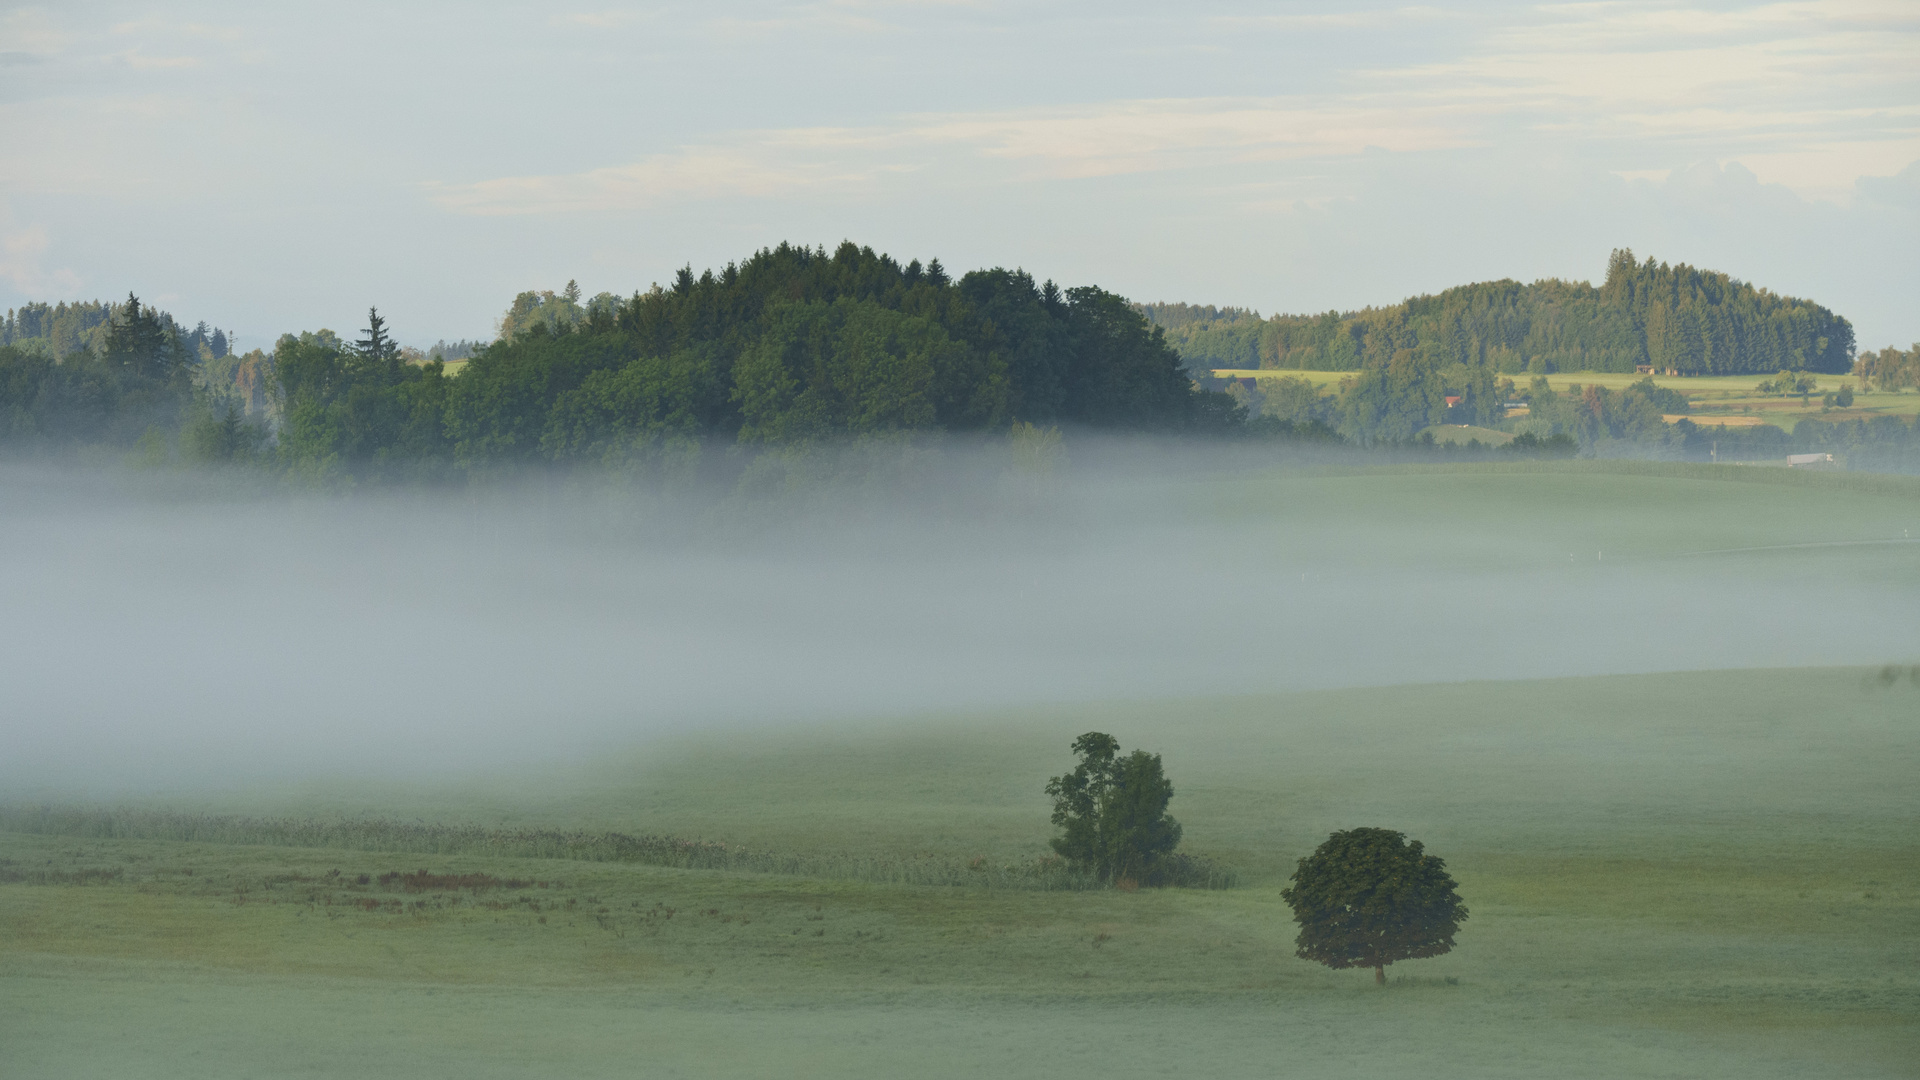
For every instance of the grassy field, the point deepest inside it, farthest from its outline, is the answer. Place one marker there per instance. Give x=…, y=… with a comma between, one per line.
x=1711, y=396
x=1692, y=874
x=1697, y=873
x=1466, y=433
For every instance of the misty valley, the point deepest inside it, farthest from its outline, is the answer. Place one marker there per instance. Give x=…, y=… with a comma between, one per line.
x=790, y=539
x=598, y=773
x=830, y=664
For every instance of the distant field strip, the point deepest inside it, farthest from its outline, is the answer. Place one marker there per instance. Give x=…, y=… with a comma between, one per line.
x=1817, y=544
x=1890, y=484
x=1715, y=400
x=1715, y=421
x=377, y=835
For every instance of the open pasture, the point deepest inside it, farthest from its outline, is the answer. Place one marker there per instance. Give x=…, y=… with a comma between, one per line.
x=1709, y=874
x=1708, y=870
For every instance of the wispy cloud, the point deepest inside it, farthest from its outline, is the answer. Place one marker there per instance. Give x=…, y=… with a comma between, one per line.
x=30, y=32
x=157, y=27
x=1342, y=20
x=23, y=252
x=140, y=61
x=1059, y=143
x=690, y=173
x=1153, y=136
x=598, y=20
x=1813, y=92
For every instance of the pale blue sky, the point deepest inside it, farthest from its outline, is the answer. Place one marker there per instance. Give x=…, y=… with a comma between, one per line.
x=274, y=167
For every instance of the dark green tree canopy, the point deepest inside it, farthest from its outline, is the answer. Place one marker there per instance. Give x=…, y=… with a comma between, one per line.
x=1367, y=897
x=96, y=373
x=797, y=344
x=1113, y=811
x=379, y=354
x=1678, y=317
x=144, y=344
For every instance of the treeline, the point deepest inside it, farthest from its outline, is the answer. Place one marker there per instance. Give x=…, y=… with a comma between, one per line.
x=1630, y=423
x=794, y=345
x=1594, y=421
x=1595, y=415
x=797, y=346
x=60, y=330
x=1209, y=338
x=1887, y=444
x=1396, y=406
x=1890, y=368
x=558, y=312
x=138, y=381
x=1672, y=318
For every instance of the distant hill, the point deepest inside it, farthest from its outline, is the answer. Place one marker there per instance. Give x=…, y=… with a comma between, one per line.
x=1695, y=322
x=1208, y=337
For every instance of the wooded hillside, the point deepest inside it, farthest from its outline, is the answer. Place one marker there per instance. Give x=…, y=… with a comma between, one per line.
x=1695, y=322
x=792, y=345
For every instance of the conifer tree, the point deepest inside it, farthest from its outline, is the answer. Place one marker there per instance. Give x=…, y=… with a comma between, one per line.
x=377, y=351
x=140, y=344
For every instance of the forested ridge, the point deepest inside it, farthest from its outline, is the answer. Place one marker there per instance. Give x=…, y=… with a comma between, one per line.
x=799, y=347
x=792, y=346
x=1671, y=318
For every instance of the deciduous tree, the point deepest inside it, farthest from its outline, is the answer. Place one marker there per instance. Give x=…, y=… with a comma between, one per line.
x=1114, y=811
x=1367, y=897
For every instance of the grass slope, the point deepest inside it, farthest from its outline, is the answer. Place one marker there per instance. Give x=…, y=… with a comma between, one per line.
x=1665, y=873
x=1692, y=874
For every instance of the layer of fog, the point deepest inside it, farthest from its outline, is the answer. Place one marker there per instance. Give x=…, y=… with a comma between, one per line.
x=155, y=640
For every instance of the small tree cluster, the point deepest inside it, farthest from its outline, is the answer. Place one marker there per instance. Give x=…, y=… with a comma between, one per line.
x=1114, y=812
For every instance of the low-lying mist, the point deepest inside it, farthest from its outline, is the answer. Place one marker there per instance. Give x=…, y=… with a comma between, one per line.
x=167, y=634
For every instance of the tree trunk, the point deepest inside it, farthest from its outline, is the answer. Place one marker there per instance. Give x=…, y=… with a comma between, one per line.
x=1380, y=974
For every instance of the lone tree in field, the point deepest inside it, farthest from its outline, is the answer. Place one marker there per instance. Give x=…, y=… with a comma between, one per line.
x=1366, y=898
x=1114, y=811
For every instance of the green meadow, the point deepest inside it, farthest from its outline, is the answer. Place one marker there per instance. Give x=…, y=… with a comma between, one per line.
x=1712, y=398
x=1697, y=873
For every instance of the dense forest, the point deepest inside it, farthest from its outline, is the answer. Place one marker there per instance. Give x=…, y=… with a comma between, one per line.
x=792, y=346
x=797, y=346
x=1670, y=318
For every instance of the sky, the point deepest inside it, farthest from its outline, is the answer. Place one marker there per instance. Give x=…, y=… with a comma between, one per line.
x=281, y=167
